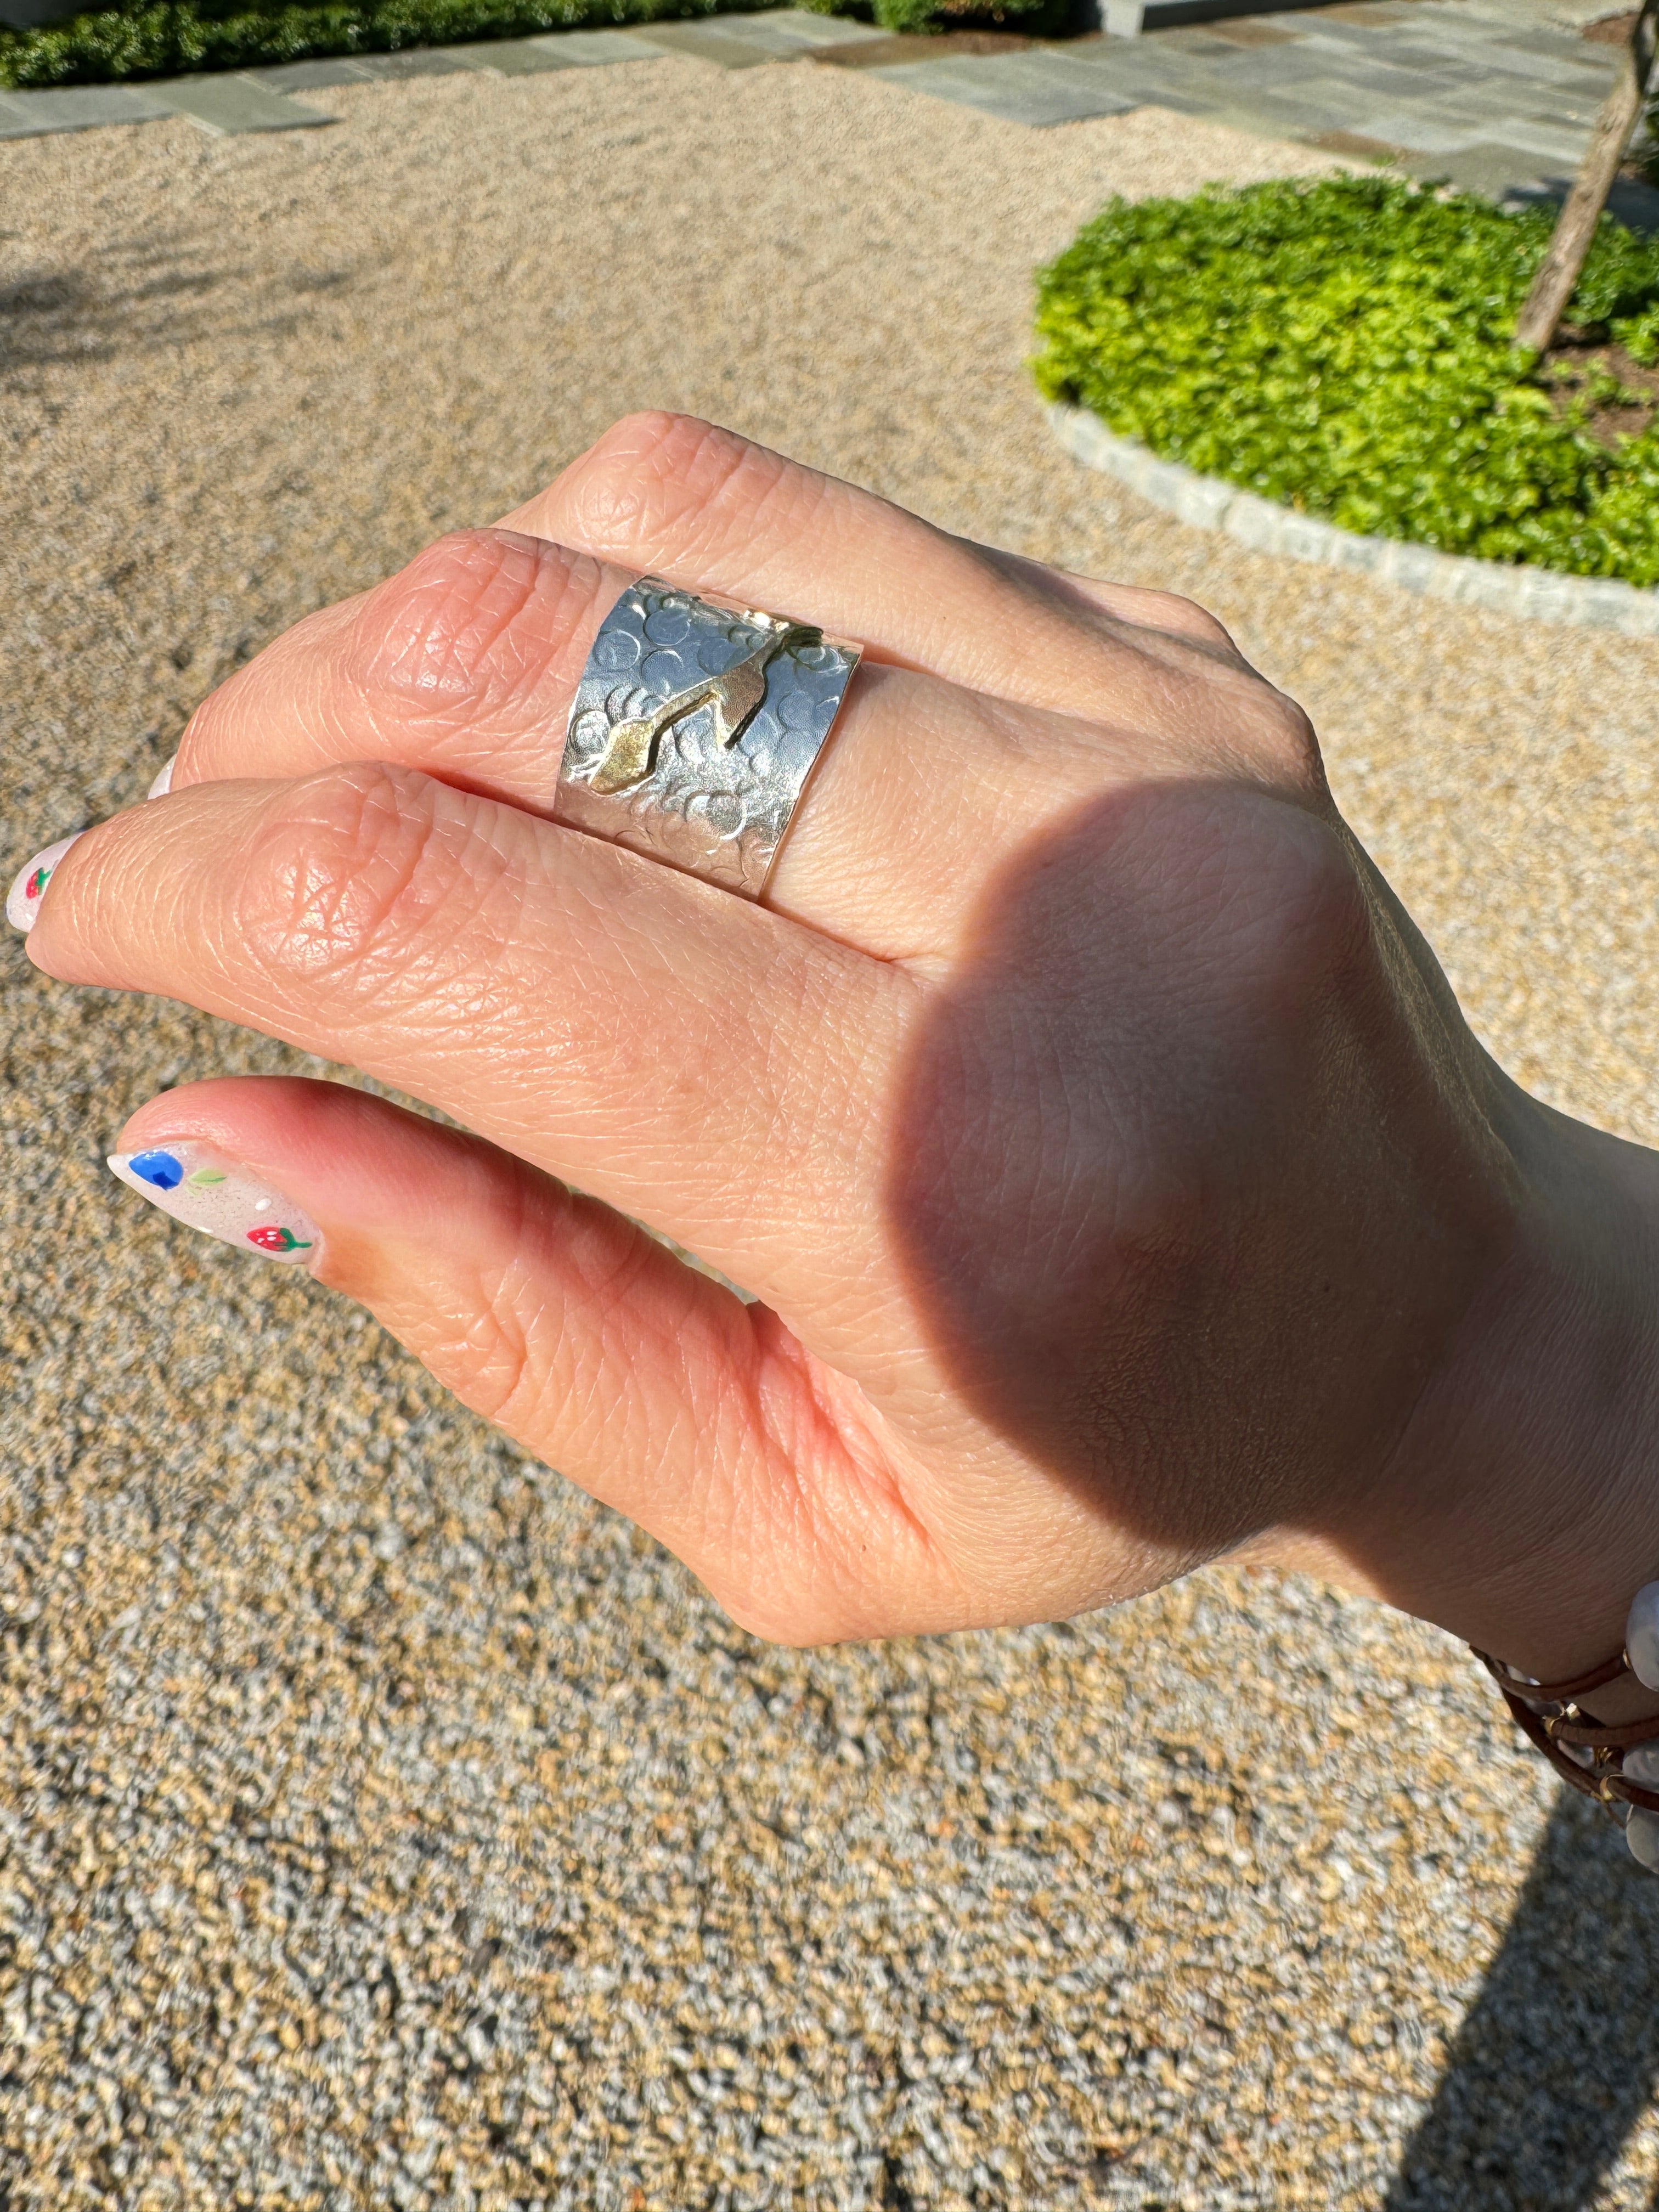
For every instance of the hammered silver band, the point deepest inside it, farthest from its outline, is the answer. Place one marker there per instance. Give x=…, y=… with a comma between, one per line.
x=695, y=728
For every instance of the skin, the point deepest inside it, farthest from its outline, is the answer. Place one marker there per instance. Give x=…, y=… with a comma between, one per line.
x=1119, y=1182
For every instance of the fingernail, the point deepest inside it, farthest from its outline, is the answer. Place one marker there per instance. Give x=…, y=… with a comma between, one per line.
x=197, y=1184
x=163, y=782
x=23, y=899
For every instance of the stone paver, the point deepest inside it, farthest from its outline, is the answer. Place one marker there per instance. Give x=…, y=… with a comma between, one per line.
x=1494, y=98
x=1031, y=88
x=589, y=49
x=79, y=108
x=416, y=61
x=514, y=57
x=778, y=34
x=234, y=103
x=1498, y=96
x=714, y=42
x=317, y=75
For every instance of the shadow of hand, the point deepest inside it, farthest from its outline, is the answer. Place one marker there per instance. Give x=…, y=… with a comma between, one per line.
x=1194, y=1174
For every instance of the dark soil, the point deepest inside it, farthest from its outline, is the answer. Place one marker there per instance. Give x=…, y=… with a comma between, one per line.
x=1568, y=366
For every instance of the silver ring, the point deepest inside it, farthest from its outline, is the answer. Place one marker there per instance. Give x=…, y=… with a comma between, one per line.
x=695, y=728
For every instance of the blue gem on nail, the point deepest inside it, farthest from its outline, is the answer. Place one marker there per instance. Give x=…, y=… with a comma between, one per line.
x=159, y=1168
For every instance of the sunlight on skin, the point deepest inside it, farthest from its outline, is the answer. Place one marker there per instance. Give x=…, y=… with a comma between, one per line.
x=1117, y=1179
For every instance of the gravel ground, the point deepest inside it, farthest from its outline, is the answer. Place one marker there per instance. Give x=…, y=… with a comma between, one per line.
x=379, y=1822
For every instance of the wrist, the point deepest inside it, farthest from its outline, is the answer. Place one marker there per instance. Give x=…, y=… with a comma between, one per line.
x=1519, y=1508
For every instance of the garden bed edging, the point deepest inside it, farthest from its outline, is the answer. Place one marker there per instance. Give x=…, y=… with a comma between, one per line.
x=1210, y=503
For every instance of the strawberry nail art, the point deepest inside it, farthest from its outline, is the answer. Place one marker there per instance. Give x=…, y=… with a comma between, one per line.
x=23, y=899
x=194, y=1183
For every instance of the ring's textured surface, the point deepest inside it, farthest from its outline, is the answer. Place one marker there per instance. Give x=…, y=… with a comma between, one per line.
x=694, y=730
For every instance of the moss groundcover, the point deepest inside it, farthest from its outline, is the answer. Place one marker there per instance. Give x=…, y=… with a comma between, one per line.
x=1345, y=347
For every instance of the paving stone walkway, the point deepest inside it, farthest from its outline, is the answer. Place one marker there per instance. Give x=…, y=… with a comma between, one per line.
x=264, y=99
x=1498, y=99
x=1497, y=95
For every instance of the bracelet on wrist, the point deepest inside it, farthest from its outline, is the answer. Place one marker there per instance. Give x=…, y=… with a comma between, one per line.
x=1617, y=1764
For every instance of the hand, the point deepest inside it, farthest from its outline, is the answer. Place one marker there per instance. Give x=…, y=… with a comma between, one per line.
x=1119, y=1180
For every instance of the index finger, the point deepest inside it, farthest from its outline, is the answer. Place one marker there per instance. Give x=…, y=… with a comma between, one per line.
x=631, y=1030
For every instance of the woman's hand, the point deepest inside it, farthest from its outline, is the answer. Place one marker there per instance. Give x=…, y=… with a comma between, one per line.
x=1118, y=1179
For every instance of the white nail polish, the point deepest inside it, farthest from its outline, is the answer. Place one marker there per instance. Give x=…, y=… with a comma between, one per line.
x=23, y=899
x=197, y=1184
x=163, y=782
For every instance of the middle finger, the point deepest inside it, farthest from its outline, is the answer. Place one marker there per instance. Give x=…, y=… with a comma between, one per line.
x=463, y=668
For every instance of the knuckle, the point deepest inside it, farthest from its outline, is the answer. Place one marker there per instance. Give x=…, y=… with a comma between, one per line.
x=653, y=437
x=1186, y=618
x=617, y=491
x=346, y=881
x=1263, y=732
x=1302, y=919
x=1287, y=740
x=466, y=625
x=658, y=477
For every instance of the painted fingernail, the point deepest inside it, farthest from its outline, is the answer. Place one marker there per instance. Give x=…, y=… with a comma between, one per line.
x=163, y=782
x=23, y=899
x=197, y=1184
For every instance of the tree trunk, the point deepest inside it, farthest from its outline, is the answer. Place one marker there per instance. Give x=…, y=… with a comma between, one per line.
x=1552, y=287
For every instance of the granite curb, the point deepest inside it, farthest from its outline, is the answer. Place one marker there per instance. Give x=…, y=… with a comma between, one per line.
x=1209, y=503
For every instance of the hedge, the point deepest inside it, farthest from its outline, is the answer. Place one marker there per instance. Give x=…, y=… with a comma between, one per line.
x=1345, y=347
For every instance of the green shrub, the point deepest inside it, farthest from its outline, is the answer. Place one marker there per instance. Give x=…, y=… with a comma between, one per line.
x=1037, y=19
x=168, y=37
x=1345, y=347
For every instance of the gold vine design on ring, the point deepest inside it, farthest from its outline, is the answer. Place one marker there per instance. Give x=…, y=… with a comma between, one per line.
x=630, y=752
